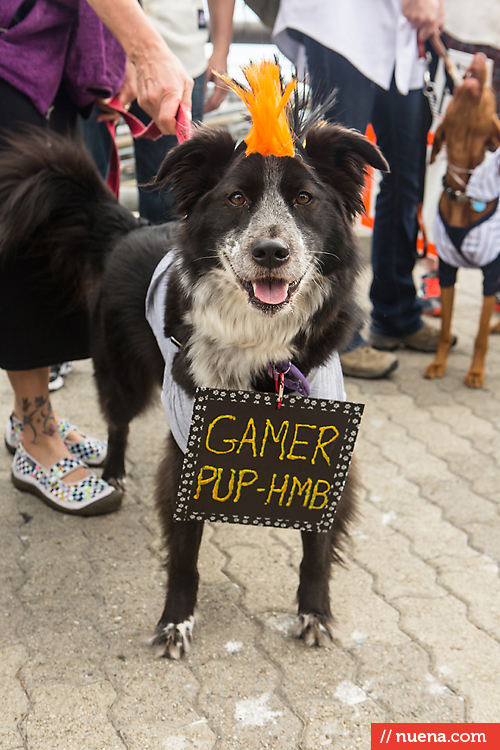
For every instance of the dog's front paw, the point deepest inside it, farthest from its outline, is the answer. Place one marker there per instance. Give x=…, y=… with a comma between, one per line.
x=495, y=328
x=435, y=370
x=474, y=379
x=174, y=639
x=314, y=630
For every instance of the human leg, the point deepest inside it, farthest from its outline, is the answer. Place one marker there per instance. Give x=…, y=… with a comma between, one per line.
x=97, y=139
x=354, y=100
x=35, y=333
x=397, y=123
x=157, y=205
x=354, y=93
x=33, y=408
x=42, y=463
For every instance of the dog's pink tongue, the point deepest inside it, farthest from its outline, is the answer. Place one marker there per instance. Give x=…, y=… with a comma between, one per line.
x=272, y=292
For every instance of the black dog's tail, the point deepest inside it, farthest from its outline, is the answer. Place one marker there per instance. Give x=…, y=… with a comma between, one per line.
x=55, y=206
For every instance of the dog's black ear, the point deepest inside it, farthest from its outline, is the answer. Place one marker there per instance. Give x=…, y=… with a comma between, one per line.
x=194, y=167
x=340, y=156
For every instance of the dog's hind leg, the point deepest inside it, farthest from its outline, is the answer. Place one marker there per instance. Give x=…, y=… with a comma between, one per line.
x=314, y=623
x=475, y=376
x=126, y=387
x=114, y=468
x=118, y=411
x=173, y=634
x=438, y=368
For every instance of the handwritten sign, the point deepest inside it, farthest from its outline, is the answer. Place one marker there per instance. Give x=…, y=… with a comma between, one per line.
x=248, y=462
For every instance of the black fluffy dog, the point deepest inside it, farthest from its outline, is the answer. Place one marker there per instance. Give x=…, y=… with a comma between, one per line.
x=264, y=269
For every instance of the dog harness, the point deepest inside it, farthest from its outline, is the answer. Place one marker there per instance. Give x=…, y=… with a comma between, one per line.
x=325, y=382
x=477, y=245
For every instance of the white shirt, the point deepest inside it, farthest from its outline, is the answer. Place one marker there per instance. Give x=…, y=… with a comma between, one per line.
x=326, y=382
x=474, y=22
x=372, y=34
x=482, y=243
x=181, y=23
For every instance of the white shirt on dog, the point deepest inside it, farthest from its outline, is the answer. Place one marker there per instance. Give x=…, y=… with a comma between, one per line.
x=481, y=243
x=326, y=382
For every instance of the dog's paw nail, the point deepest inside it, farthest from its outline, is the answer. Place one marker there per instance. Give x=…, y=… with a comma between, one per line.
x=119, y=483
x=314, y=630
x=173, y=640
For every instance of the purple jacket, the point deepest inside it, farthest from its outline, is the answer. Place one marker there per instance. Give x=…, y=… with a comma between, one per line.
x=59, y=41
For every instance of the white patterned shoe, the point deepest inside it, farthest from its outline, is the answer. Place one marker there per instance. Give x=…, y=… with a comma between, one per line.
x=90, y=450
x=91, y=496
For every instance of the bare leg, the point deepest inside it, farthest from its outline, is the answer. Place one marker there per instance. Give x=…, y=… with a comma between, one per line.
x=437, y=368
x=475, y=376
x=41, y=437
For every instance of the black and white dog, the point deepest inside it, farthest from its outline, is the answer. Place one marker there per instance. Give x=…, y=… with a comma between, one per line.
x=264, y=263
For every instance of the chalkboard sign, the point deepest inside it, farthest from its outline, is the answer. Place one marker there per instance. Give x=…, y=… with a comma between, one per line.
x=251, y=463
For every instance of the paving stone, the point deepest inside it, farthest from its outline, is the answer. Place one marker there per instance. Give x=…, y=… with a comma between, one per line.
x=461, y=505
x=63, y=642
x=486, y=537
x=358, y=609
x=473, y=578
x=13, y=698
x=467, y=659
x=155, y=708
x=417, y=603
x=259, y=566
x=406, y=574
x=321, y=685
x=128, y=592
x=107, y=540
x=462, y=420
x=65, y=717
x=398, y=676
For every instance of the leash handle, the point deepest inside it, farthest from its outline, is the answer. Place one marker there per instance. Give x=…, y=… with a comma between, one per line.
x=139, y=130
x=450, y=66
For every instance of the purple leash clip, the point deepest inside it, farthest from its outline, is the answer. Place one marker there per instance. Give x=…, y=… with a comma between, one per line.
x=290, y=376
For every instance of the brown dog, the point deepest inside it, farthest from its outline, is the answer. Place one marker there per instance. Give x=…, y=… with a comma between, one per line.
x=470, y=129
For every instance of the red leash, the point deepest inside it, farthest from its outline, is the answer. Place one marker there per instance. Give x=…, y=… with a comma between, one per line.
x=139, y=130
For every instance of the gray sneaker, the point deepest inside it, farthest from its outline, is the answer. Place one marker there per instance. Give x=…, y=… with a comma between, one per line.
x=365, y=362
x=426, y=339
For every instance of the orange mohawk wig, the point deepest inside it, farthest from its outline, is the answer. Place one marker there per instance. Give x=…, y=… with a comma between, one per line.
x=267, y=103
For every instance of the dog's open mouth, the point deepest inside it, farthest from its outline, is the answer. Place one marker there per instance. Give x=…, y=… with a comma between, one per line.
x=269, y=293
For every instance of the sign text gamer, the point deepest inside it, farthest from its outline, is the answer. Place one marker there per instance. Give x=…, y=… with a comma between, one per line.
x=248, y=462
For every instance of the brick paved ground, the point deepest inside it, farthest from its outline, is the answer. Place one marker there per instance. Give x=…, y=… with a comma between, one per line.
x=417, y=605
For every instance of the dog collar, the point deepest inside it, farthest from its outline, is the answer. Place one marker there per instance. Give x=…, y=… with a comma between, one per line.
x=459, y=196
x=289, y=376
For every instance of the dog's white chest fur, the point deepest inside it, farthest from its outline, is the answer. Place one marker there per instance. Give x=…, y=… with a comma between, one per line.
x=231, y=341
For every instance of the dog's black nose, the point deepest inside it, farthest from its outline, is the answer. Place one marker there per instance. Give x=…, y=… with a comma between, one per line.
x=270, y=253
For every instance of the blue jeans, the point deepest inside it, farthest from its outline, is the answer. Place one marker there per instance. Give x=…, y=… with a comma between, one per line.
x=157, y=205
x=154, y=205
x=398, y=124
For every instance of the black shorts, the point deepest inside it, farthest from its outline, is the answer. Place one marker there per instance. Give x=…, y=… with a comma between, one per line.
x=33, y=330
x=491, y=276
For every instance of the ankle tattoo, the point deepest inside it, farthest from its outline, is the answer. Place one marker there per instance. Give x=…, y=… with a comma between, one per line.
x=38, y=415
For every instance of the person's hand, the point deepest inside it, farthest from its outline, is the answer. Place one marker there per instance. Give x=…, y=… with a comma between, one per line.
x=426, y=16
x=216, y=64
x=126, y=95
x=162, y=83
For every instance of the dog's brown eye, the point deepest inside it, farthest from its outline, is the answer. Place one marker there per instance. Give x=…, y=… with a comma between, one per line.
x=237, y=199
x=303, y=198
